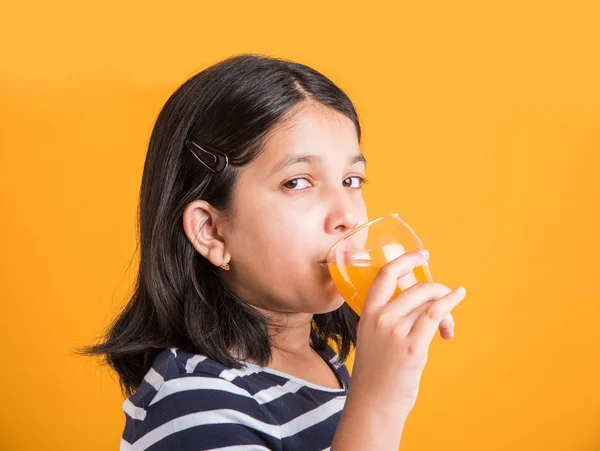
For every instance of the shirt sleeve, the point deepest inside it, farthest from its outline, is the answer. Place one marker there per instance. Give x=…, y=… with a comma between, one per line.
x=204, y=412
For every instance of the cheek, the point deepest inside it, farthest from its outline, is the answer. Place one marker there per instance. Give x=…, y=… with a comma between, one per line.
x=284, y=260
x=276, y=235
x=286, y=246
x=269, y=243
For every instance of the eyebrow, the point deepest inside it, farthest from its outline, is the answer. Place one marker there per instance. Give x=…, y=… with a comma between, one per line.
x=311, y=159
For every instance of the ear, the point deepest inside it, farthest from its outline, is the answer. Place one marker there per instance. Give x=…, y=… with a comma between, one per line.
x=201, y=224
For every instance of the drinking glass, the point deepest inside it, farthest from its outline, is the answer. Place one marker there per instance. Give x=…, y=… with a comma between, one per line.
x=356, y=258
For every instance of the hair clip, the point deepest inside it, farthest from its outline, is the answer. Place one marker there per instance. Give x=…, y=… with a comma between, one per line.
x=216, y=162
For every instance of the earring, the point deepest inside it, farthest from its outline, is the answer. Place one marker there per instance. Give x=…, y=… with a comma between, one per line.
x=225, y=266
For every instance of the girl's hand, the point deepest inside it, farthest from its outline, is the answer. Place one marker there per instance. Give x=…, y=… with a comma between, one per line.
x=394, y=337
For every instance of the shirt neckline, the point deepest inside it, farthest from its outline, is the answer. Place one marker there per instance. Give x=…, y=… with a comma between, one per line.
x=304, y=382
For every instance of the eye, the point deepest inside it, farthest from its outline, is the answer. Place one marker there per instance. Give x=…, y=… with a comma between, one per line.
x=355, y=182
x=295, y=185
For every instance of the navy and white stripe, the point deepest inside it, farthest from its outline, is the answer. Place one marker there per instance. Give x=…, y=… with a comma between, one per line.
x=191, y=402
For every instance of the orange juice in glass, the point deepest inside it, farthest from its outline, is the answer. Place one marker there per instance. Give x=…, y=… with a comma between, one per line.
x=356, y=258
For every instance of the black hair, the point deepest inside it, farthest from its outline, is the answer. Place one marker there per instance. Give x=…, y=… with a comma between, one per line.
x=179, y=299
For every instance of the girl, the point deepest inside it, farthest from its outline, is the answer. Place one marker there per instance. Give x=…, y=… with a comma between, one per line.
x=253, y=171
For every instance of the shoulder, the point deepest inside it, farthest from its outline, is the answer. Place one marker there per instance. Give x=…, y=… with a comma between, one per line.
x=329, y=353
x=189, y=397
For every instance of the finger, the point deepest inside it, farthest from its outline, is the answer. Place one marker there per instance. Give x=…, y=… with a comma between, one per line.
x=414, y=296
x=447, y=327
x=427, y=324
x=407, y=322
x=385, y=283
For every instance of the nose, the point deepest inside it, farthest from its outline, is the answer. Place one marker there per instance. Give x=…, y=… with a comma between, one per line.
x=343, y=215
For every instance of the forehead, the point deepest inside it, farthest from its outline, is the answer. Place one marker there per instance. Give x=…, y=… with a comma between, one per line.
x=315, y=130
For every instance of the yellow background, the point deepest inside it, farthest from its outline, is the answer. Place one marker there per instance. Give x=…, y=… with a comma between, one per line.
x=481, y=127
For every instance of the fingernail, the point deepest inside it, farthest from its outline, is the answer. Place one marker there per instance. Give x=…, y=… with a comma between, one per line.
x=424, y=253
x=460, y=290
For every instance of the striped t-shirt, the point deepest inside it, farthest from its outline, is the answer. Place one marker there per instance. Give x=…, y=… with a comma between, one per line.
x=190, y=402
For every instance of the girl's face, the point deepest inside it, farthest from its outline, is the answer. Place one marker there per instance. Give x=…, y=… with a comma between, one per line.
x=291, y=204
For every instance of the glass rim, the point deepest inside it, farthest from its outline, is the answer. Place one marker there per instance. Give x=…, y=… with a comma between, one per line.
x=329, y=259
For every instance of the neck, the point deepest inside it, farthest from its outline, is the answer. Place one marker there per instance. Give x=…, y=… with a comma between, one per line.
x=293, y=334
x=294, y=337
x=292, y=331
